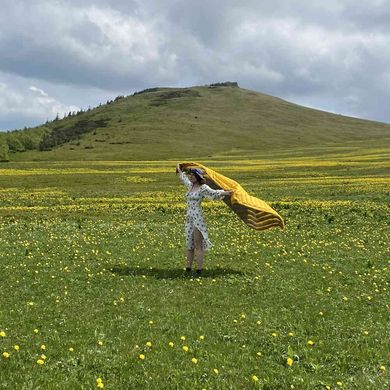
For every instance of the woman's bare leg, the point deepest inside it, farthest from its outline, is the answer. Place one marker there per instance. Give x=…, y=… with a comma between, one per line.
x=190, y=257
x=198, y=239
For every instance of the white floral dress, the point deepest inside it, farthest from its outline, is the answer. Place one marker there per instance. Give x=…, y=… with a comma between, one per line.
x=194, y=217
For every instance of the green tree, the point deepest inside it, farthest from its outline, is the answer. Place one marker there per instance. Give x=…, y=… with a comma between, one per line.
x=28, y=141
x=14, y=143
x=4, y=152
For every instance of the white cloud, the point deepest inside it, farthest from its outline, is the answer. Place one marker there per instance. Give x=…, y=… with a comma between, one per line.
x=40, y=91
x=128, y=34
x=30, y=103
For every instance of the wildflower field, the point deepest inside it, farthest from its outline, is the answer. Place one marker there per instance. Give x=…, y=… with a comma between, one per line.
x=93, y=292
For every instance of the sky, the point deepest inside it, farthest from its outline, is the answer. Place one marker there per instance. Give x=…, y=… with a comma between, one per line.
x=58, y=56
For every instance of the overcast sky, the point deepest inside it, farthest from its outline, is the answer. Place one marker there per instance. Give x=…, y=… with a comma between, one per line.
x=62, y=55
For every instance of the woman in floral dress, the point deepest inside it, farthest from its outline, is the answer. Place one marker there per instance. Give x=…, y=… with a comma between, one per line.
x=195, y=227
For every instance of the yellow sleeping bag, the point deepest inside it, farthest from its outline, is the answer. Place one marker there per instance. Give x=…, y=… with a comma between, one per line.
x=253, y=211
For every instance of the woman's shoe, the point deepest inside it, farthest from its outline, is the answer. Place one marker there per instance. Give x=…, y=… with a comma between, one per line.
x=188, y=272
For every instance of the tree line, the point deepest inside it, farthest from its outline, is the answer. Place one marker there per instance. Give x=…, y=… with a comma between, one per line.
x=49, y=135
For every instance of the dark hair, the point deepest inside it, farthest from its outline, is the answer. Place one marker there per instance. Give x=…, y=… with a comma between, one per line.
x=197, y=177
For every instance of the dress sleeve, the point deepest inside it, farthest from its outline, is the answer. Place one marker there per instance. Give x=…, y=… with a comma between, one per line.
x=209, y=193
x=184, y=179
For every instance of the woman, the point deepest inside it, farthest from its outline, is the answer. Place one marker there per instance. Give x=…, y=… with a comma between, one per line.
x=195, y=227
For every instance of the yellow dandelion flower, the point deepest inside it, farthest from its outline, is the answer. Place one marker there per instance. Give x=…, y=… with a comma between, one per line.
x=185, y=348
x=2, y=334
x=382, y=368
x=274, y=334
x=258, y=322
x=71, y=349
x=216, y=371
x=339, y=383
x=194, y=360
x=36, y=331
x=255, y=378
x=148, y=344
x=16, y=347
x=258, y=353
x=321, y=313
x=290, y=362
x=100, y=385
x=43, y=346
x=142, y=356
x=6, y=355
x=365, y=332
x=171, y=344
x=243, y=315
x=99, y=380
x=201, y=337
x=40, y=361
x=235, y=321
x=151, y=322
x=310, y=342
x=182, y=338
x=43, y=357
x=291, y=334
x=100, y=342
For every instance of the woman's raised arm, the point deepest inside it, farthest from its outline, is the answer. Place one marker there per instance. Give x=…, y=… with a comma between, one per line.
x=186, y=181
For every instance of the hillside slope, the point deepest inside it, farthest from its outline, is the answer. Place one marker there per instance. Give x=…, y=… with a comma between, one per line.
x=201, y=121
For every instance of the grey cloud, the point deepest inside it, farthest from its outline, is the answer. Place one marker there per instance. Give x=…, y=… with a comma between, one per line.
x=371, y=16
x=333, y=55
x=85, y=46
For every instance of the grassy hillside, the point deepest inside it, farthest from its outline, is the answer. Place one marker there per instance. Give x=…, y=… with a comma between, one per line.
x=201, y=122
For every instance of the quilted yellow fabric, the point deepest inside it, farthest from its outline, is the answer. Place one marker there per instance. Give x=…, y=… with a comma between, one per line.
x=253, y=211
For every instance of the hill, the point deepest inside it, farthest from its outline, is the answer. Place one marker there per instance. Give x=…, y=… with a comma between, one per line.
x=161, y=123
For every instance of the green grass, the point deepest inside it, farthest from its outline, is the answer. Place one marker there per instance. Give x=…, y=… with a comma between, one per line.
x=94, y=252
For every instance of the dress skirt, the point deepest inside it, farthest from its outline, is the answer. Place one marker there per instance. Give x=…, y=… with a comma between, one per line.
x=194, y=217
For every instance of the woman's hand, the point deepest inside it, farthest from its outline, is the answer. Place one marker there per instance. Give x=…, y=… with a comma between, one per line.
x=229, y=192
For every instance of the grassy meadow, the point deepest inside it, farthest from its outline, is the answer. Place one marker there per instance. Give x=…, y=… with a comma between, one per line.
x=93, y=292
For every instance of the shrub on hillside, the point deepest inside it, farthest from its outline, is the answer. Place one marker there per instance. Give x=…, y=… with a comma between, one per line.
x=225, y=84
x=68, y=132
x=146, y=91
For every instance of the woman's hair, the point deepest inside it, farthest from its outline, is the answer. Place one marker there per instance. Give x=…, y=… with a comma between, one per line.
x=197, y=177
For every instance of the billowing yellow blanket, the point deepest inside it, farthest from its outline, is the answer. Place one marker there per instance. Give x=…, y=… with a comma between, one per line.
x=253, y=211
